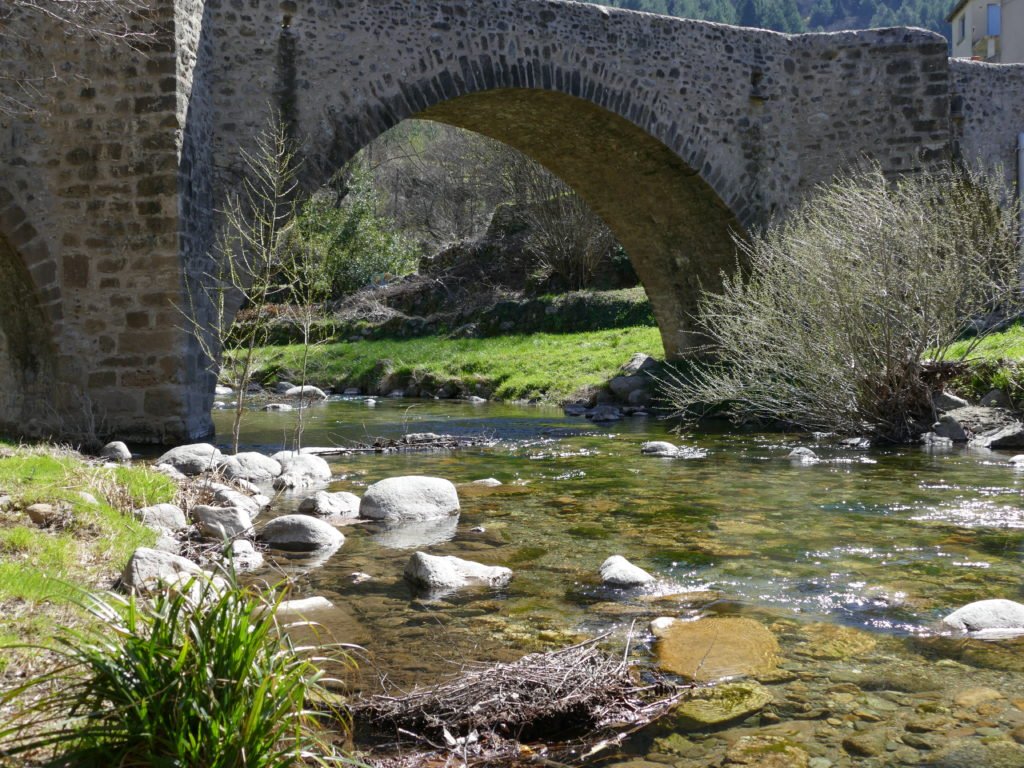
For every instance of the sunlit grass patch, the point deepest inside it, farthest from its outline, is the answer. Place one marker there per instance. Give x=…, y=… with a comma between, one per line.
x=43, y=569
x=541, y=366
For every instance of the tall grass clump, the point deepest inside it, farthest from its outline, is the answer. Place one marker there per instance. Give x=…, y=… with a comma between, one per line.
x=844, y=315
x=200, y=677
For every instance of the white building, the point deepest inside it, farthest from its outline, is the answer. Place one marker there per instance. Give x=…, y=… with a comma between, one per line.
x=989, y=31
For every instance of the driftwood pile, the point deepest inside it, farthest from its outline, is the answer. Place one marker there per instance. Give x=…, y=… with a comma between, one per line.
x=410, y=443
x=551, y=709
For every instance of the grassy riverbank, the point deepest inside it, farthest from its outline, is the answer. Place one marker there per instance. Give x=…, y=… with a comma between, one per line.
x=541, y=367
x=997, y=362
x=44, y=568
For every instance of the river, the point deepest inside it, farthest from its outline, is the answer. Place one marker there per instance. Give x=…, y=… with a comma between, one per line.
x=849, y=562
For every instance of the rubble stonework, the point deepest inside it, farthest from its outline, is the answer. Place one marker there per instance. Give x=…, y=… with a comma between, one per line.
x=678, y=133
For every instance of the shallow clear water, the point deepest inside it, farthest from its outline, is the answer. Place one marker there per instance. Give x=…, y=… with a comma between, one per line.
x=884, y=542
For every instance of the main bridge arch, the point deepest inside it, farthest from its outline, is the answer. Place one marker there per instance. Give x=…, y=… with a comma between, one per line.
x=679, y=134
x=676, y=229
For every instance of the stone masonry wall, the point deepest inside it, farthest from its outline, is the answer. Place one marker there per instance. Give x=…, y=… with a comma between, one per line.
x=987, y=102
x=93, y=176
x=678, y=133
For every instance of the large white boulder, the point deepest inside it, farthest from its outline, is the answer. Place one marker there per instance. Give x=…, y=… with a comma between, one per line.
x=116, y=451
x=308, y=391
x=167, y=517
x=447, y=573
x=995, y=617
x=222, y=522
x=300, y=470
x=250, y=465
x=324, y=504
x=301, y=533
x=617, y=571
x=659, y=448
x=411, y=497
x=303, y=606
x=149, y=568
x=192, y=459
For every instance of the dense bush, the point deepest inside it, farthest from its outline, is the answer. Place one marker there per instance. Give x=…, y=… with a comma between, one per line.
x=830, y=325
x=202, y=677
x=359, y=246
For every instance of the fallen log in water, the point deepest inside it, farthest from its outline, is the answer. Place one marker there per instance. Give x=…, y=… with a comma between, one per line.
x=554, y=708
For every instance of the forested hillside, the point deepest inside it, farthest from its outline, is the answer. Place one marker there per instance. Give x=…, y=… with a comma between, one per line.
x=804, y=15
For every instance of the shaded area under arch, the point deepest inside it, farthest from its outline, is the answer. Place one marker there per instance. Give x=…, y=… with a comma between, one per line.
x=677, y=231
x=27, y=355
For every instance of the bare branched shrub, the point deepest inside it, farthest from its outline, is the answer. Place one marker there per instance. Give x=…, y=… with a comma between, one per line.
x=850, y=306
x=567, y=241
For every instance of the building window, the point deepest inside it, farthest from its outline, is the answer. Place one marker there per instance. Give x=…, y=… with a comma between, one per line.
x=993, y=19
x=961, y=28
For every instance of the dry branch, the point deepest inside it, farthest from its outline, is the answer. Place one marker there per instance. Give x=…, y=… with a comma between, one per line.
x=560, y=706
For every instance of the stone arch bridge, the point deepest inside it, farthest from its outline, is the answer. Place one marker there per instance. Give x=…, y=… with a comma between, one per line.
x=678, y=133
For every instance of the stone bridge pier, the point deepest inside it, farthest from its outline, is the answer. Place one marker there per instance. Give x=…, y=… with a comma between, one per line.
x=681, y=134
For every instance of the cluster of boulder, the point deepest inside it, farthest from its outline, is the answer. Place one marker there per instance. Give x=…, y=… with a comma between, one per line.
x=631, y=393
x=992, y=423
x=408, y=509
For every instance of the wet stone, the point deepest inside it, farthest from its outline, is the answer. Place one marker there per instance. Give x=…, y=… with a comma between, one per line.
x=833, y=642
x=714, y=648
x=766, y=751
x=866, y=744
x=721, y=704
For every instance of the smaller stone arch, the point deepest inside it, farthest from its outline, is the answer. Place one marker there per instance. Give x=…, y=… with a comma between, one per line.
x=30, y=309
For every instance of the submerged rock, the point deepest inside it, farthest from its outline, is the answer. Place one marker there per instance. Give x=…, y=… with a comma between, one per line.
x=711, y=649
x=192, y=459
x=301, y=533
x=278, y=407
x=721, y=704
x=1002, y=616
x=446, y=573
x=417, y=533
x=767, y=751
x=617, y=571
x=802, y=455
x=412, y=497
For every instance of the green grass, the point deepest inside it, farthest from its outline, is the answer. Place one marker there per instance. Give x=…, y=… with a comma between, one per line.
x=1005, y=345
x=124, y=689
x=42, y=570
x=539, y=366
